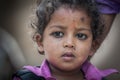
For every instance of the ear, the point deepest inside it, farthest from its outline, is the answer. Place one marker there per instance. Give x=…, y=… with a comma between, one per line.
x=38, y=39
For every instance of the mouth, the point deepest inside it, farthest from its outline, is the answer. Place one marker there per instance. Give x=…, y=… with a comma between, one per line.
x=68, y=56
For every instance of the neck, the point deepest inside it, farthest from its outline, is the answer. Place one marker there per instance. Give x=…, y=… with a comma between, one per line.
x=66, y=75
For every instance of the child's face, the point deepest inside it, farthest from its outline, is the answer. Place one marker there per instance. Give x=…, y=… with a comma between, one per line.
x=67, y=39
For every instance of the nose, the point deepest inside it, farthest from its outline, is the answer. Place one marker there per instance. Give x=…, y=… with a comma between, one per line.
x=69, y=43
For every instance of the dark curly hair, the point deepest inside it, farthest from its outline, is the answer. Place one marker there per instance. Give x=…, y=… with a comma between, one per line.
x=47, y=7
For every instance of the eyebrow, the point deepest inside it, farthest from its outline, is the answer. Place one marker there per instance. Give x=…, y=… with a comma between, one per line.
x=63, y=27
x=82, y=29
x=58, y=26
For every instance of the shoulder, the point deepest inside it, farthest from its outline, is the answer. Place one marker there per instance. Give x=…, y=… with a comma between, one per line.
x=26, y=75
x=114, y=76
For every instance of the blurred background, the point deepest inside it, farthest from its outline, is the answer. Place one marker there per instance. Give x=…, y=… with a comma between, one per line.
x=18, y=49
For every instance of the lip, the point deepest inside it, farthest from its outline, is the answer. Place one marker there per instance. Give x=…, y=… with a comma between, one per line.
x=68, y=56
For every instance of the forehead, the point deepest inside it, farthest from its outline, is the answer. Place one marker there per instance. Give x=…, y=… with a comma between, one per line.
x=64, y=11
x=68, y=15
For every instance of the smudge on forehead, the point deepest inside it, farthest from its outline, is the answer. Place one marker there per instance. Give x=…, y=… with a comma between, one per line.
x=82, y=19
x=76, y=22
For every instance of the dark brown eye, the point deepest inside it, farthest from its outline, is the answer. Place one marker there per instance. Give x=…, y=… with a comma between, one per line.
x=58, y=34
x=81, y=36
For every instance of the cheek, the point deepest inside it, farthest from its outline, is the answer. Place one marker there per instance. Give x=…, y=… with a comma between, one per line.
x=84, y=49
x=51, y=51
x=83, y=54
x=51, y=46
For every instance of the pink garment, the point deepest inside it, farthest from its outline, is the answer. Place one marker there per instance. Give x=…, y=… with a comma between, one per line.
x=90, y=71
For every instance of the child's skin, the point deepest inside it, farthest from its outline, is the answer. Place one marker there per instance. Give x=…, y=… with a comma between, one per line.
x=68, y=32
x=67, y=43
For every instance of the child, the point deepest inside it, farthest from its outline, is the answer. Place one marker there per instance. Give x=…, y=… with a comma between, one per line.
x=68, y=34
